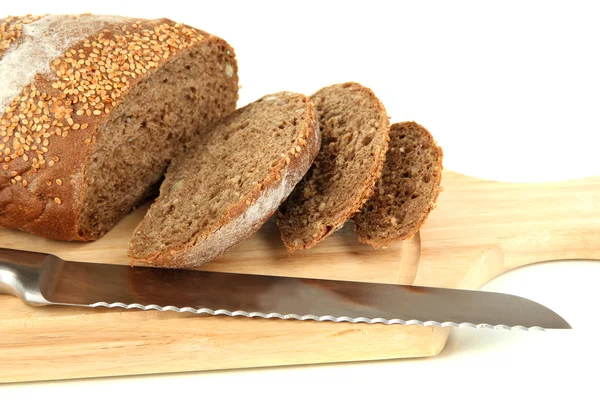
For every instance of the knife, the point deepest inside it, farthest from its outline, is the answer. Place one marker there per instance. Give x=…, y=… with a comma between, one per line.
x=40, y=279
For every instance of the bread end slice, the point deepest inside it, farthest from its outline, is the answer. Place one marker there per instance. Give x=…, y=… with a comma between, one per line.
x=407, y=191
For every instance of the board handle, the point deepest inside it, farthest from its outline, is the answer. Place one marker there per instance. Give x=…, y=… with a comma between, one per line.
x=481, y=229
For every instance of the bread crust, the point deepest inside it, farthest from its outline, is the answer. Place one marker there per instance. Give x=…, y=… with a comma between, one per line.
x=239, y=223
x=50, y=202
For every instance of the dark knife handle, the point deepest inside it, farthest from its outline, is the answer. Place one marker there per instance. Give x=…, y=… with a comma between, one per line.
x=21, y=274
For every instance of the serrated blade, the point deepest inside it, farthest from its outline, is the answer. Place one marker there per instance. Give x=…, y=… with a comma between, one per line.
x=231, y=294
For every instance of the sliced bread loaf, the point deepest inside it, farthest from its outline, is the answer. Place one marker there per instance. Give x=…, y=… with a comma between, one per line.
x=93, y=107
x=229, y=182
x=408, y=188
x=355, y=134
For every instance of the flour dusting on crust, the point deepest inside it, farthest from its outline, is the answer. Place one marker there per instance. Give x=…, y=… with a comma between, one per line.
x=252, y=219
x=44, y=41
x=244, y=225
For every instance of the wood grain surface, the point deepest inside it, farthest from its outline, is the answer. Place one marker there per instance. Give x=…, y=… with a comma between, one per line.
x=479, y=230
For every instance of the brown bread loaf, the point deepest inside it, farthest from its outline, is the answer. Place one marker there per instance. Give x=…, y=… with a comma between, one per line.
x=93, y=108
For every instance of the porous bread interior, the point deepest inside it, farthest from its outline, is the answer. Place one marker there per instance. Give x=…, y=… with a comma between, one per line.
x=216, y=173
x=408, y=186
x=150, y=127
x=354, y=131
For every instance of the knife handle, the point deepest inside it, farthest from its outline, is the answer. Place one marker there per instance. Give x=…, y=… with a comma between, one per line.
x=21, y=275
x=481, y=229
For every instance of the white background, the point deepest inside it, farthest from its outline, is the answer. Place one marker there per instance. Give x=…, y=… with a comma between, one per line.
x=510, y=90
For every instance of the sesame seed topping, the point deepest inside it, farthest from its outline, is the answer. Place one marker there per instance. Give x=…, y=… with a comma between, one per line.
x=90, y=79
x=12, y=30
x=57, y=200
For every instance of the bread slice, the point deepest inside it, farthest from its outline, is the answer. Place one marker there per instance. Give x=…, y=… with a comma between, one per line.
x=355, y=134
x=408, y=188
x=93, y=108
x=229, y=182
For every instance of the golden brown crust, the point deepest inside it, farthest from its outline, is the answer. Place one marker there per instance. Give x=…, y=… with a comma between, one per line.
x=58, y=115
x=292, y=165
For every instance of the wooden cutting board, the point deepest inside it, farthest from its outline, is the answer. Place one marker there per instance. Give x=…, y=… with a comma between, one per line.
x=479, y=230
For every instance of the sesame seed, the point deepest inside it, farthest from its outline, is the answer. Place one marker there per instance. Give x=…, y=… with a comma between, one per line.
x=57, y=200
x=90, y=82
x=59, y=182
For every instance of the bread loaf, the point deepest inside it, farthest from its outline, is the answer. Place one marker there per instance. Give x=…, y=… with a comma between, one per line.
x=93, y=109
x=355, y=134
x=229, y=182
x=407, y=190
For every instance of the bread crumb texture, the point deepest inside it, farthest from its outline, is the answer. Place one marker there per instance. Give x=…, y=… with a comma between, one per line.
x=229, y=182
x=407, y=190
x=355, y=134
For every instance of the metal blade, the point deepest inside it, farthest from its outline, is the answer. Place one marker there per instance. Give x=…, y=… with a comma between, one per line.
x=215, y=293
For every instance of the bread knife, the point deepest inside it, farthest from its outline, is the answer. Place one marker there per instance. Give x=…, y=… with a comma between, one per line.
x=40, y=279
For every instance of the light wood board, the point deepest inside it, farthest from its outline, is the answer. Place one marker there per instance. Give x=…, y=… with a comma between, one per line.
x=479, y=230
